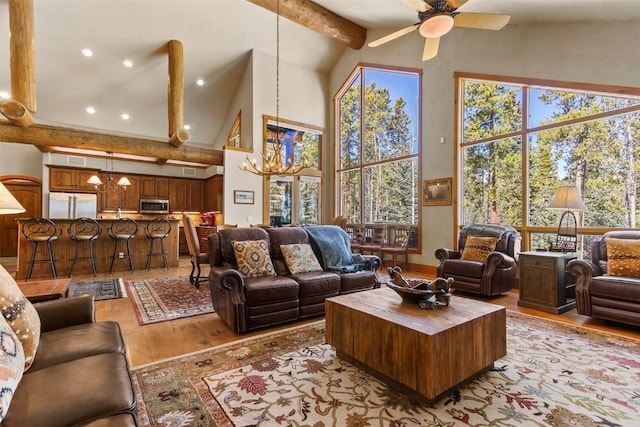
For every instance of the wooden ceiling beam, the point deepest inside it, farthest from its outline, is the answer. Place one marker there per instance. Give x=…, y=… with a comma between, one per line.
x=48, y=136
x=22, y=53
x=319, y=19
x=178, y=135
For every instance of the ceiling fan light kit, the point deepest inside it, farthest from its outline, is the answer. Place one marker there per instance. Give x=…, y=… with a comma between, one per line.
x=436, y=26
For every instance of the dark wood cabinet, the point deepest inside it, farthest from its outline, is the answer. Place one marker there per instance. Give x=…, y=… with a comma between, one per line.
x=128, y=200
x=70, y=179
x=154, y=187
x=545, y=283
x=212, y=194
x=203, y=236
x=185, y=195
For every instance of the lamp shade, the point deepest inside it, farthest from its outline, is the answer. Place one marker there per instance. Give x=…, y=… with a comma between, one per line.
x=95, y=180
x=124, y=181
x=8, y=203
x=567, y=197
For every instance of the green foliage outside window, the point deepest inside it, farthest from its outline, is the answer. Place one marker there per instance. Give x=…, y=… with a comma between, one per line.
x=378, y=162
x=590, y=140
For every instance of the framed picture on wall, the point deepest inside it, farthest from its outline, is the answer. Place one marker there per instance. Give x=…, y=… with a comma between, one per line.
x=436, y=192
x=241, y=197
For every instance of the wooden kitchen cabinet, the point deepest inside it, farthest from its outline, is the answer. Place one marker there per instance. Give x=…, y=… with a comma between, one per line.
x=545, y=283
x=154, y=187
x=128, y=200
x=185, y=195
x=70, y=179
x=203, y=232
x=212, y=194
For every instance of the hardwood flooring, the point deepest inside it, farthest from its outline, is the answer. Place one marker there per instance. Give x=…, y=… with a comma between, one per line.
x=154, y=342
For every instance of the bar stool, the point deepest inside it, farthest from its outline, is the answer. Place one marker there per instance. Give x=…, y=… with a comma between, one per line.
x=84, y=230
x=41, y=230
x=157, y=229
x=123, y=229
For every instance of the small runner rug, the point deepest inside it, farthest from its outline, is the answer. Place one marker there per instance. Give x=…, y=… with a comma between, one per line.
x=552, y=375
x=168, y=298
x=100, y=289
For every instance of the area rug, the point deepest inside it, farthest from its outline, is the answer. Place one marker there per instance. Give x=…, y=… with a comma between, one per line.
x=168, y=298
x=100, y=289
x=552, y=375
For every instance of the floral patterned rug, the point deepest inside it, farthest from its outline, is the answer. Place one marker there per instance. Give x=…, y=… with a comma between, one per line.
x=552, y=375
x=169, y=298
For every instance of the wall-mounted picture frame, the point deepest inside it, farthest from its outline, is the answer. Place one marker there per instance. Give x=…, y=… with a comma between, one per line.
x=436, y=192
x=242, y=197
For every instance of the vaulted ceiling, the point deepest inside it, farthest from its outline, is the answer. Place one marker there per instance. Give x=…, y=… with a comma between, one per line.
x=217, y=38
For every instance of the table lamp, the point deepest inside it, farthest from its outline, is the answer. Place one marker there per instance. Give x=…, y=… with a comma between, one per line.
x=567, y=198
x=8, y=203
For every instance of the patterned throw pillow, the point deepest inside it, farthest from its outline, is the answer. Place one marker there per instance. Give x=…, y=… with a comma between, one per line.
x=300, y=258
x=623, y=257
x=20, y=315
x=253, y=258
x=11, y=365
x=477, y=248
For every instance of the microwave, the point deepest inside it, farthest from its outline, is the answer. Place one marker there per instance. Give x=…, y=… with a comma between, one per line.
x=156, y=206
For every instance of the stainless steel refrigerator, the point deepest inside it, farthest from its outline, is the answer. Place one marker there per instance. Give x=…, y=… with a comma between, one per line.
x=72, y=205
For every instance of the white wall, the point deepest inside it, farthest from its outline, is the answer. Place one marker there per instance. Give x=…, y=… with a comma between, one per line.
x=602, y=53
x=20, y=159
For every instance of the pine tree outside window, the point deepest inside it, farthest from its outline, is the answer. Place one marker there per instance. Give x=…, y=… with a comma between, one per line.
x=378, y=155
x=521, y=139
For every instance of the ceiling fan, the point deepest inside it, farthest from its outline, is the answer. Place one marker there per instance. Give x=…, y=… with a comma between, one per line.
x=437, y=18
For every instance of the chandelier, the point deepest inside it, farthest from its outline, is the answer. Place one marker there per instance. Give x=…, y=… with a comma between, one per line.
x=275, y=162
x=110, y=184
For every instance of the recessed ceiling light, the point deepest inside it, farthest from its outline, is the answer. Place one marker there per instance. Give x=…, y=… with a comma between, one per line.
x=127, y=63
x=187, y=127
x=200, y=82
x=91, y=110
x=87, y=52
x=4, y=95
x=124, y=116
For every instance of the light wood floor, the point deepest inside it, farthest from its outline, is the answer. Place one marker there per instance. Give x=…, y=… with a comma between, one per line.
x=154, y=342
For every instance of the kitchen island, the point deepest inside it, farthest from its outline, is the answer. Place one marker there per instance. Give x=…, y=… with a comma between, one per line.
x=64, y=248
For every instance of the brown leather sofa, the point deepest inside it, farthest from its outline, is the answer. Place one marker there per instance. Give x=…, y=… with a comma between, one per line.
x=80, y=374
x=606, y=297
x=249, y=303
x=493, y=276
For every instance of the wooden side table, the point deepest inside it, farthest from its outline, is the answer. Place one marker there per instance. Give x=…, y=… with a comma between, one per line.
x=545, y=283
x=43, y=290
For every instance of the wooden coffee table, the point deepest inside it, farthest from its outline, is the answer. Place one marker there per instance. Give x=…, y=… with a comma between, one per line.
x=424, y=353
x=42, y=290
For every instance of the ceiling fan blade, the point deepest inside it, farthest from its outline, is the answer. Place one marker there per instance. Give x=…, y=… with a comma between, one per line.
x=454, y=4
x=483, y=21
x=430, y=48
x=393, y=36
x=418, y=5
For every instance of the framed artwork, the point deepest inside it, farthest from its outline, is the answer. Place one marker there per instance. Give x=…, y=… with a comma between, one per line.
x=241, y=197
x=436, y=192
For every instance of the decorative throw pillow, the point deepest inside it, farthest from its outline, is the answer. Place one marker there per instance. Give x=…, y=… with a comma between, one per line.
x=300, y=258
x=477, y=248
x=253, y=258
x=11, y=365
x=623, y=257
x=20, y=315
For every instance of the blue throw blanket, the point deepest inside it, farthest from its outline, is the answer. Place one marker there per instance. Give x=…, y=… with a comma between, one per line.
x=334, y=245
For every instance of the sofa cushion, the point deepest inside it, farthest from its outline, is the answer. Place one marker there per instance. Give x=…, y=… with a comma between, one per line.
x=73, y=393
x=623, y=257
x=74, y=342
x=11, y=365
x=253, y=258
x=477, y=248
x=121, y=420
x=300, y=258
x=20, y=315
x=263, y=290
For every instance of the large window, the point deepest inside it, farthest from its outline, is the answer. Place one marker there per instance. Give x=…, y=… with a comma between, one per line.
x=378, y=160
x=520, y=141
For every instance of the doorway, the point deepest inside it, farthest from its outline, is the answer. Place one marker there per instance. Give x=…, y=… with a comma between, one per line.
x=28, y=191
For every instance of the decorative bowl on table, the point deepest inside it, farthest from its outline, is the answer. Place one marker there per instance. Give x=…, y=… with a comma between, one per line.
x=425, y=293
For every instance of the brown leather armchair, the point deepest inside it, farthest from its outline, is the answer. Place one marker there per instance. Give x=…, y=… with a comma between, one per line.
x=493, y=276
x=606, y=297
